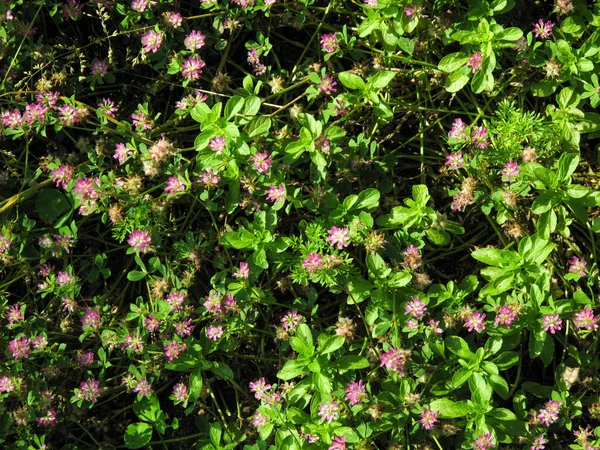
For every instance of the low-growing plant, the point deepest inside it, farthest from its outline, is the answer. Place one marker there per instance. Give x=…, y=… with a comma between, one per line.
x=289, y=225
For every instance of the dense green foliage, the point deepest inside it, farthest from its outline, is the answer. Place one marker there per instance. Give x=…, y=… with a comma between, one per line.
x=270, y=224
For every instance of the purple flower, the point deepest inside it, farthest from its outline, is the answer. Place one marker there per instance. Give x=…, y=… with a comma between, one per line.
x=175, y=300
x=214, y=332
x=173, y=350
x=460, y=200
x=91, y=319
x=259, y=420
x=586, y=320
x=329, y=411
x=483, y=442
x=174, y=185
x=122, y=152
x=395, y=360
x=428, y=418
x=479, y=137
x=20, y=348
x=276, y=194
x=6, y=384
x=85, y=359
x=99, y=68
x=291, y=320
x=475, y=321
x=140, y=241
x=151, y=41
x=415, y=308
x=261, y=162
x=455, y=160
x=143, y=388
x=312, y=262
x=510, y=170
x=538, y=443
x=243, y=271
x=577, y=266
x=173, y=19
x=338, y=237
x=412, y=257
x=475, y=62
x=329, y=43
x=180, y=392
x=327, y=85
x=549, y=414
x=355, y=392
x=552, y=323
x=194, y=40
x=89, y=390
x=192, y=67
x=260, y=388
x=543, y=30
x=505, y=316
x=458, y=130
x=62, y=175
x=14, y=315
x=338, y=443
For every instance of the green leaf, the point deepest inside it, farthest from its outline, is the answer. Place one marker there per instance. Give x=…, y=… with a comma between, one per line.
x=350, y=362
x=547, y=354
x=547, y=224
x=537, y=340
x=567, y=164
x=437, y=236
x=297, y=416
x=258, y=126
x=381, y=79
x=450, y=410
x=195, y=385
x=200, y=112
x=367, y=27
x=367, y=199
x=216, y=430
x=222, y=370
x=148, y=408
x=135, y=275
x=459, y=347
x=314, y=126
x=329, y=344
x=138, y=435
x=461, y=376
x=481, y=392
x=458, y=79
x=351, y=81
x=540, y=251
x=502, y=414
x=545, y=201
x=482, y=81
x=453, y=62
x=506, y=360
x=251, y=106
x=51, y=203
x=377, y=266
x=499, y=385
x=234, y=105
x=292, y=369
x=300, y=346
x=359, y=290
x=241, y=239
x=398, y=279
x=509, y=34
x=490, y=256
